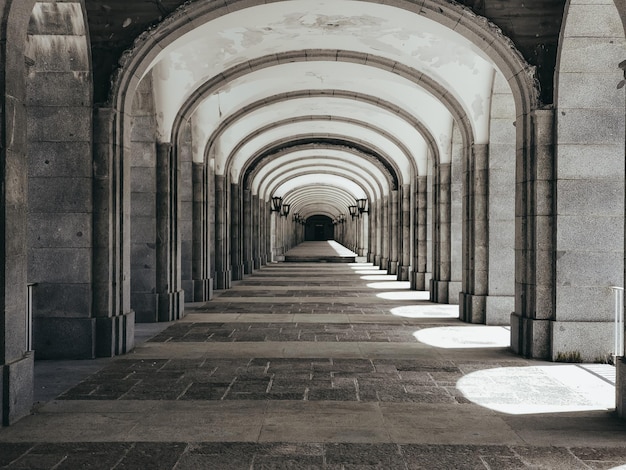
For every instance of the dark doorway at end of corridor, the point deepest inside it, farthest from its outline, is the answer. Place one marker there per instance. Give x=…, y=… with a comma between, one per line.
x=319, y=228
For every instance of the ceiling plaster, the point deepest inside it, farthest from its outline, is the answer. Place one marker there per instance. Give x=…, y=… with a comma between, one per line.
x=239, y=116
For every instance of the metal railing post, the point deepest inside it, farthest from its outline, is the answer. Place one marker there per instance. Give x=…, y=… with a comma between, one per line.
x=618, y=346
x=29, y=315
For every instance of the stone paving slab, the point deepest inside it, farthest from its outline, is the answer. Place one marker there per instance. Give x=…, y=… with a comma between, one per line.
x=398, y=332
x=255, y=398
x=284, y=455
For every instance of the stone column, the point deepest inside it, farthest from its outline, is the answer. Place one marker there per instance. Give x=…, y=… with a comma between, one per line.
x=384, y=259
x=185, y=213
x=236, y=242
x=394, y=223
x=16, y=361
x=211, y=222
x=202, y=282
x=115, y=321
x=371, y=226
x=144, y=298
x=257, y=233
x=223, y=276
x=363, y=236
x=405, y=247
x=476, y=286
x=378, y=256
x=441, y=238
x=267, y=224
x=418, y=281
x=248, y=263
x=535, y=239
x=171, y=297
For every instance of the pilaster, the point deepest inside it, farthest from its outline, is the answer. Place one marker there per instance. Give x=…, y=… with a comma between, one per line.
x=223, y=276
x=171, y=297
x=201, y=268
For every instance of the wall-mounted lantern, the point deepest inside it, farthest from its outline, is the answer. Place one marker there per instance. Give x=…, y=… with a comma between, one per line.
x=277, y=203
x=354, y=211
x=284, y=210
x=362, y=204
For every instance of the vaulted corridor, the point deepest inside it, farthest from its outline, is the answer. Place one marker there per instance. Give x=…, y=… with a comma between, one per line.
x=321, y=365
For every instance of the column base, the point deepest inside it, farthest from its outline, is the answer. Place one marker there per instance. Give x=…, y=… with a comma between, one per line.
x=392, y=268
x=439, y=291
x=263, y=260
x=202, y=290
x=64, y=338
x=116, y=335
x=472, y=308
x=237, y=272
x=248, y=267
x=370, y=257
x=620, y=387
x=403, y=273
x=454, y=290
x=498, y=310
x=377, y=260
x=171, y=306
x=384, y=264
x=583, y=341
x=418, y=281
x=223, y=280
x=530, y=338
x=256, y=263
x=17, y=383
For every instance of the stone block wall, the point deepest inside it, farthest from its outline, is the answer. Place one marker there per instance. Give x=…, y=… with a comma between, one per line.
x=500, y=300
x=185, y=156
x=590, y=184
x=144, y=299
x=59, y=135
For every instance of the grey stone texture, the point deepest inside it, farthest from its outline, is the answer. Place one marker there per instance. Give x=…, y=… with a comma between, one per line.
x=590, y=188
x=144, y=299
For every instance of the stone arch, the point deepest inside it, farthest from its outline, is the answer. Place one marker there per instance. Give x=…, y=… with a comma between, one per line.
x=519, y=75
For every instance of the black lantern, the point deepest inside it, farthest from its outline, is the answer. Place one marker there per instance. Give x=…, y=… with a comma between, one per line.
x=354, y=211
x=362, y=203
x=285, y=210
x=277, y=203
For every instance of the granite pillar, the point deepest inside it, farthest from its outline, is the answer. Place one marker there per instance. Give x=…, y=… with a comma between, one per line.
x=202, y=282
x=441, y=235
x=404, y=254
x=236, y=239
x=171, y=296
x=223, y=275
x=535, y=236
x=418, y=279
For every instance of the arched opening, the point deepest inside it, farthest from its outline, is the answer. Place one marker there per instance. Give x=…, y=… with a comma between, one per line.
x=319, y=228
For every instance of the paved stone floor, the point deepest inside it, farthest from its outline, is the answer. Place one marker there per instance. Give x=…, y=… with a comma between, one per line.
x=333, y=366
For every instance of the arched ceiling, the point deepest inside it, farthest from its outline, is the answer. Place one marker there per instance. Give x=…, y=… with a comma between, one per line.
x=533, y=25
x=376, y=89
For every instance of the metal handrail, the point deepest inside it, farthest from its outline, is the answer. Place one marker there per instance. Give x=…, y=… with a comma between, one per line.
x=618, y=345
x=29, y=315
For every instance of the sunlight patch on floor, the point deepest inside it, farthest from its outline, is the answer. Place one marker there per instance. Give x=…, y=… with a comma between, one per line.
x=379, y=277
x=538, y=389
x=460, y=337
x=390, y=285
x=404, y=295
x=426, y=311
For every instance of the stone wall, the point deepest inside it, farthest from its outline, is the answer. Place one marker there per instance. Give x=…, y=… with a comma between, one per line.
x=59, y=133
